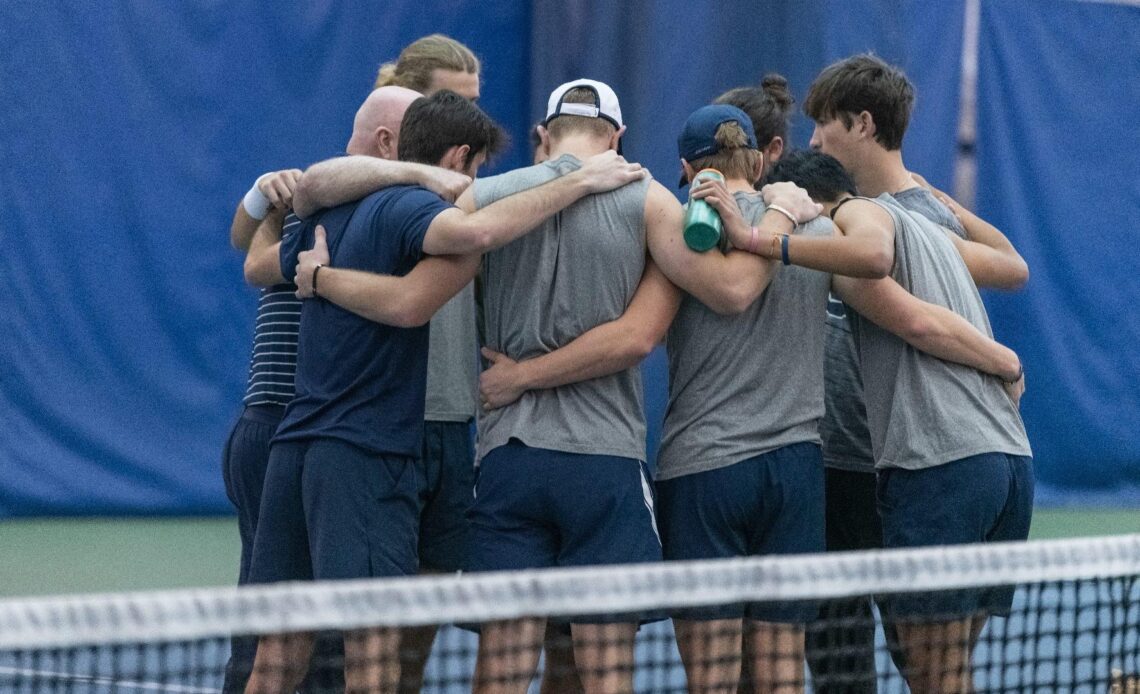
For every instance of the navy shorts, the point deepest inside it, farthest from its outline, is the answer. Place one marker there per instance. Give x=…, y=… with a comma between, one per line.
x=769, y=504
x=449, y=483
x=244, y=461
x=983, y=498
x=537, y=508
x=333, y=511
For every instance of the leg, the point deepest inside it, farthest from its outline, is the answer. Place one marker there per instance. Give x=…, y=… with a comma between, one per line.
x=448, y=466
x=371, y=661
x=281, y=553
x=244, y=462
x=415, y=648
x=776, y=656
x=560, y=674
x=937, y=656
x=710, y=652
x=281, y=663
x=841, y=643
x=363, y=518
x=508, y=656
x=604, y=653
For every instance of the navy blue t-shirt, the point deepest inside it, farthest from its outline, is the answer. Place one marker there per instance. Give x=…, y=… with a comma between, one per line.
x=359, y=381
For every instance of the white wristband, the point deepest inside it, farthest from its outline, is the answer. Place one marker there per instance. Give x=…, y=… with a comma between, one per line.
x=255, y=203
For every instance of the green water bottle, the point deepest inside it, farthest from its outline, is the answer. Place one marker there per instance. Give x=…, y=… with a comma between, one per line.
x=703, y=228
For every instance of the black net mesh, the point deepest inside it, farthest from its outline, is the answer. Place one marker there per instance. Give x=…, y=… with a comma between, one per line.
x=919, y=620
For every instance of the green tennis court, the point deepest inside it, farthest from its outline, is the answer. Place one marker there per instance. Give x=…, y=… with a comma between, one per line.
x=82, y=555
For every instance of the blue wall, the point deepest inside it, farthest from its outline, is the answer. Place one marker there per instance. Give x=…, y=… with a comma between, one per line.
x=131, y=129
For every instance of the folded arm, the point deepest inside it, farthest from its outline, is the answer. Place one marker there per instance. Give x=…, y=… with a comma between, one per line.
x=262, y=262
x=990, y=257
x=271, y=192
x=930, y=328
x=727, y=283
x=458, y=231
x=345, y=179
x=603, y=350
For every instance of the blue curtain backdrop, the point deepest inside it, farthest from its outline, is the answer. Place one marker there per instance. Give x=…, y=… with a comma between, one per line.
x=1059, y=171
x=131, y=129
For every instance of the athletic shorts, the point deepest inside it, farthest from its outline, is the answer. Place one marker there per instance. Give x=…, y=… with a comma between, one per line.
x=538, y=508
x=983, y=498
x=333, y=511
x=449, y=483
x=769, y=504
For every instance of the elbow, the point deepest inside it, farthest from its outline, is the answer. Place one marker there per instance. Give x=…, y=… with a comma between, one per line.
x=878, y=264
x=734, y=300
x=919, y=330
x=641, y=345
x=477, y=240
x=1018, y=275
x=407, y=314
x=256, y=275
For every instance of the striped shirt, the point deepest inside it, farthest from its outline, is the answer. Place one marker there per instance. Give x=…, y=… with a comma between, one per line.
x=273, y=361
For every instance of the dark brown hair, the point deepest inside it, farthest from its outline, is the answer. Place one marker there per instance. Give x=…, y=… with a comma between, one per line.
x=863, y=83
x=434, y=124
x=769, y=106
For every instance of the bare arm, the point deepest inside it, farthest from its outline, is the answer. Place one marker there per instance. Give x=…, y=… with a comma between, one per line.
x=262, y=260
x=933, y=329
x=864, y=246
x=276, y=189
x=405, y=302
x=605, y=349
x=727, y=283
x=456, y=231
x=344, y=179
x=990, y=257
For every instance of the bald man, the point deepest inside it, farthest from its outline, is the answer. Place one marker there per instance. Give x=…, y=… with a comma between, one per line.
x=257, y=228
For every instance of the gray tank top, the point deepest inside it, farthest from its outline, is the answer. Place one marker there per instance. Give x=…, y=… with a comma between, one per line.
x=453, y=375
x=743, y=385
x=922, y=411
x=577, y=270
x=846, y=440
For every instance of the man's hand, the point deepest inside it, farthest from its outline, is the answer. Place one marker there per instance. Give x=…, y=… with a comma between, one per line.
x=278, y=187
x=499, y=384
x=446, y=183
x=793, y=199
x=1015, y=390
x=716, y=193
x=608, y=171
x=308, y=262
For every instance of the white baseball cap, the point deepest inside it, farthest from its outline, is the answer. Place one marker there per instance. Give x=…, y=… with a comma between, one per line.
x=605, y=103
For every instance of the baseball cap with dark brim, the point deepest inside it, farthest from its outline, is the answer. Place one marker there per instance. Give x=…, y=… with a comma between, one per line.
x=698, y=137
x=605, y=104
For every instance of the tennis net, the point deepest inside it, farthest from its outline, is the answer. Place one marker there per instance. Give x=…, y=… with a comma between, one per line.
x=1074, y=625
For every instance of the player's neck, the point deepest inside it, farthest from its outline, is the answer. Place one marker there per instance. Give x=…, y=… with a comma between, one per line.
x=738, y=185
x=884, y=172
x=580, y=146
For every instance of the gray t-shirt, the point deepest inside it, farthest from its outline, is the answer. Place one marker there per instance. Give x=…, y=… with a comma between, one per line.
x=452, y=375
x=921, y=411
x=846, y=440
x=577, y=270
x=743, y=385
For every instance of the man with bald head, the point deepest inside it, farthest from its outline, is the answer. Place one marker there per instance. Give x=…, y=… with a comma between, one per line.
x=257, y=228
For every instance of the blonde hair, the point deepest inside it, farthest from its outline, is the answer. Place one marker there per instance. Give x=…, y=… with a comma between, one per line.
x=734, y=158
x=421, y=58
x=560, y=125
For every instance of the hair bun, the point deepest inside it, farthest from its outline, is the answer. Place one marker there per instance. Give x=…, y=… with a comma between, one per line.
x=776, y=86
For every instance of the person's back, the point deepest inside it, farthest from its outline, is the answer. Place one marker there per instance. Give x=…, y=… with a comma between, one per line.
x=924, y=411
x=545, y=289
x=344, y=385
x=723, y=408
